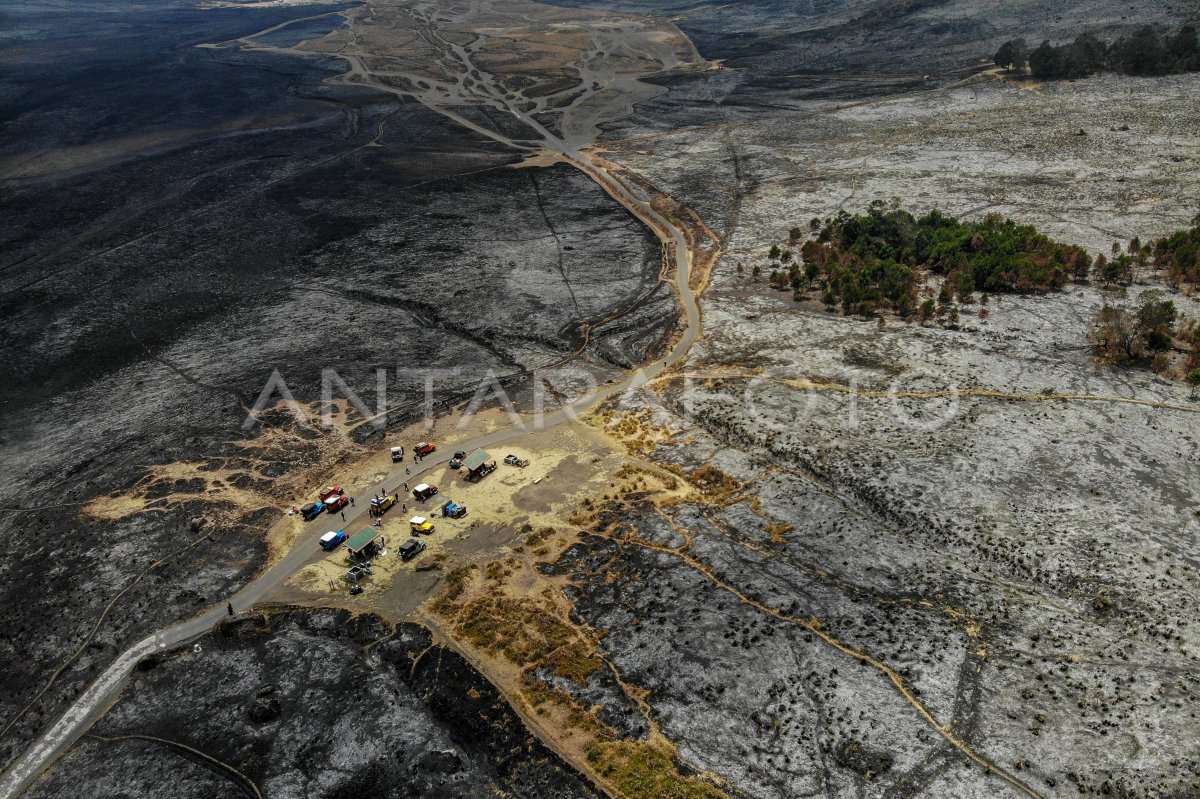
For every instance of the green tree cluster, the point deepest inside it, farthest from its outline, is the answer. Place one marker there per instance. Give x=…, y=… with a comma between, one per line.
x=871, y=261
x=1146, y=52
x=1178, y=255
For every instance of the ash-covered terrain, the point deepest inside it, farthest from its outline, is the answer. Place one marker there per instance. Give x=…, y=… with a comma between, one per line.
x=1021, y=570
x=985, y=586
x=180, y=222
x=325, y=705
x=969, y=590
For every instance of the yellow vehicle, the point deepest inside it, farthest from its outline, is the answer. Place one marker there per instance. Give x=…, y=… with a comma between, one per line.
x=420, y=525
x=380, y=505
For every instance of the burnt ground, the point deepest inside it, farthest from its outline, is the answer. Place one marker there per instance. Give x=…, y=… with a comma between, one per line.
x=149, y=287
x=787, y=64
x=313, y=704
x=781, y=51
x=180, y=221
x=1025, y=568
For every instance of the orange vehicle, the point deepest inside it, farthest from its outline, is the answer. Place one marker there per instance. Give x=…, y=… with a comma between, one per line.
x=424, y=448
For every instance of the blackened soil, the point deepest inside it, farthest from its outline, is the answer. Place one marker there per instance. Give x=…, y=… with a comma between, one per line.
x=314, y=704
x=178, y=222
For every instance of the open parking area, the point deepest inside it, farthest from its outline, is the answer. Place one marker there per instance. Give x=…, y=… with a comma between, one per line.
x=560, y=466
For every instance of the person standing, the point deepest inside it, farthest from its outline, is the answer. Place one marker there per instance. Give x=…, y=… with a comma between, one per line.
x=230, y=607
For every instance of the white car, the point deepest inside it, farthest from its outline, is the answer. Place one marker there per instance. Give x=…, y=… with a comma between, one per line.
x=331, y=539
x=424, y=491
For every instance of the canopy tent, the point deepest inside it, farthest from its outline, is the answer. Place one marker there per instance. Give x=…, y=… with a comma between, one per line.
x=363, y=538
x=477, y=460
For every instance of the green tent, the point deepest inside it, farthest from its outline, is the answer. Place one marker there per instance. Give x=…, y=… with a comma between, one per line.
x=476, y=459
x=362, y=538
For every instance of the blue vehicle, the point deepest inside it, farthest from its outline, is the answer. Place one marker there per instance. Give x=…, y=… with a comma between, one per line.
x=453, y=510
x=333, y=539
x=312, y=510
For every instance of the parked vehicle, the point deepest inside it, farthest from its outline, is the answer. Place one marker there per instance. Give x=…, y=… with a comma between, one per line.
x=381, y=505
x=453, y=510
x=420, y=525
x=336, y=503
x=333, y=539
x=424, y=448
x=312, y=510
x=397, y=454
x=458, y=459
x=411, y=548
x=513, y=460
x=424, y=491
x=477, y=473
x=329, y=492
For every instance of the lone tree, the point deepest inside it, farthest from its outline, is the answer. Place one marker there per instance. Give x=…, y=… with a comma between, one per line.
x=927, y=310
x=1156, y=320
x=1011, y=55
x=1079, y=264
x=1114, y=334
x=1193, y=380
x=1119, y=334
